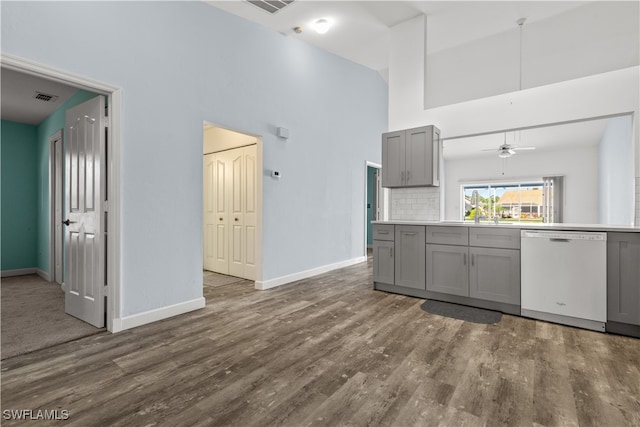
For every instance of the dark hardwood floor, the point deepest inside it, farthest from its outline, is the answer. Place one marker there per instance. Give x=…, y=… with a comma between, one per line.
x=330, y=351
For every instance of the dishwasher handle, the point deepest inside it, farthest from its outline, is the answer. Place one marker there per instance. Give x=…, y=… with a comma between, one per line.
x=559, y=240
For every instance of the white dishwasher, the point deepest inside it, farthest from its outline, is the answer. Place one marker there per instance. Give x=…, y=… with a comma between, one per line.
x=564, y=277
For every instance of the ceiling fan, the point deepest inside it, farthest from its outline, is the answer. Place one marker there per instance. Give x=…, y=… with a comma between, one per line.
x=508, y=150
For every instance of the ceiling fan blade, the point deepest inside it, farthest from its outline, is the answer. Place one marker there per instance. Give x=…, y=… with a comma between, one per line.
x=490, y=149
x=523, y=148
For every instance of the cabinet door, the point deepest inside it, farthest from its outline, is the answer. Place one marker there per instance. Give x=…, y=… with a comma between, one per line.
x=494, y=275
x=418, y=157
x=623, y=277
x=393, y=159
x=447, y=269
x=410, y=250
x=383, y=262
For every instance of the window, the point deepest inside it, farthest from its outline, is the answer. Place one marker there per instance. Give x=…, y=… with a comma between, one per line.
x=511, y=202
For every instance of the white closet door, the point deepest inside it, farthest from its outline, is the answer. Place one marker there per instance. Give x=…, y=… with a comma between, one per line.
x=221, y=185
x=236, y=256
x=209, y=213
x=230, y=217
x=250, y=220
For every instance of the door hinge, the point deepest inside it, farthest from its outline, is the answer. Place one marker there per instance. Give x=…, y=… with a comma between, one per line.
x=105, y=206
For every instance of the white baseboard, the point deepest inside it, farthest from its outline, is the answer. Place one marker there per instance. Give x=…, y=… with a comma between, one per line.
x=17, y=272
x=128, y=322
x=43, y=274
x=279, y=281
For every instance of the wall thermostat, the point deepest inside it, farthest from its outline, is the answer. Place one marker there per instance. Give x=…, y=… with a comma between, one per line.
x=275, y=174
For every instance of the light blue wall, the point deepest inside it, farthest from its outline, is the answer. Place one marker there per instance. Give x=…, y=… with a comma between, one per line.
x=18, y=208
x=46, y=128
x=616, y=173
x=192, y=62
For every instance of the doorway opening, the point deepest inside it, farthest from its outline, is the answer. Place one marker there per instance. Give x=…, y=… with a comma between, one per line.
x=375, y=202
x=106, y=192
x=232, y=205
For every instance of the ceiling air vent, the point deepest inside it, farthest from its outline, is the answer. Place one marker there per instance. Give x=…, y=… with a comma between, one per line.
x=271, y=6
x=44, y=97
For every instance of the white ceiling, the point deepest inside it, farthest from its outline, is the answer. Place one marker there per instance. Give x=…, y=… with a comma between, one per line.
x=361, y=29
x=548, y=138
x=18, y=102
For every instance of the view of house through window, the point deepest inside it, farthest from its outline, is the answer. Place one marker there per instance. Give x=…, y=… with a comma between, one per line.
x=519, y=202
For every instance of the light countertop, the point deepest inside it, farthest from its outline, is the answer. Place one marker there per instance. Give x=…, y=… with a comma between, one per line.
x=516, y=225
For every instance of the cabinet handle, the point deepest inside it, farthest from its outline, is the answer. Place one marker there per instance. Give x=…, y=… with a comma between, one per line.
x=408, y=176
x=402, y=177
x=383, y=232
x=235, y=219
x=390, y=252
x=473, y=260
x=220, y=219
x=464, y=259
x=410, y=234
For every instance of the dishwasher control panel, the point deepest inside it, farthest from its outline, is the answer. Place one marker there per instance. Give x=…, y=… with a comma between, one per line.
x=566, y=235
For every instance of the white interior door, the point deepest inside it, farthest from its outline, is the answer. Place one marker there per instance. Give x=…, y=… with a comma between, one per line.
x=230, y=212
x=236, y=256
x=250, y=216
x=84, y=240
x=209, y=213
x=221, y=208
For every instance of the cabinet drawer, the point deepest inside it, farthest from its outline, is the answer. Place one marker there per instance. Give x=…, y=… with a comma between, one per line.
x=494, y=237
x=382, y=231
x=444, y=235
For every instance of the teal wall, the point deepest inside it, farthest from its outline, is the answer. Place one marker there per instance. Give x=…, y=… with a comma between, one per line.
x=371, y=188
x=18, y=209
x=46, y=128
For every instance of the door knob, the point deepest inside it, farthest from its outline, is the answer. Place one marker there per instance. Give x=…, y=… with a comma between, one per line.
x=67, y=222
x=220, y=219
x=235, y=219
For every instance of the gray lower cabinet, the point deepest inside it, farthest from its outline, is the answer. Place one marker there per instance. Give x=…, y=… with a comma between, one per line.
x=410, y=256
x=383, y=262
x=447, y=270
x=494, y=275
x=623, y=278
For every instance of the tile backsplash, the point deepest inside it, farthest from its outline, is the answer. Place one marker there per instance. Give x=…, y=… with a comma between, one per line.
x=415, y=204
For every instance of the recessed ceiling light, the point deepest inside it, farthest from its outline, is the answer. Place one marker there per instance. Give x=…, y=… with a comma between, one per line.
x=321, y=26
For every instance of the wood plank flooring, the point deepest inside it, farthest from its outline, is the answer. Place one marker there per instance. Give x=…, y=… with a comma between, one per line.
x=330, y=351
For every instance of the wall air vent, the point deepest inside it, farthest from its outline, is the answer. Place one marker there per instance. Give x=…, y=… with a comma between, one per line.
x=44, y=97
x=271, y=6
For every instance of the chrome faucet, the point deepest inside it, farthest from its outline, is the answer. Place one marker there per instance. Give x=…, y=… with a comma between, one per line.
x=474, y=202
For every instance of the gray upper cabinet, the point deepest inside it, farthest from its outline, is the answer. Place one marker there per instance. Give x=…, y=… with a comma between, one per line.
x=623, y=277
x=447, y=270
x=393, y=159
x=411, y=158
x=494, y=275
x=410, y=256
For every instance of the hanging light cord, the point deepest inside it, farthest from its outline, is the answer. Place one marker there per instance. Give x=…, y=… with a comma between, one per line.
x=520, y=23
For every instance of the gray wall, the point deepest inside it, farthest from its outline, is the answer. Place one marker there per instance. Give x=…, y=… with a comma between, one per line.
x=179, y=63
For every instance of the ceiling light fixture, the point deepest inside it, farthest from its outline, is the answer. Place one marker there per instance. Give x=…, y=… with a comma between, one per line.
x=321, y=26
x=297, y=30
